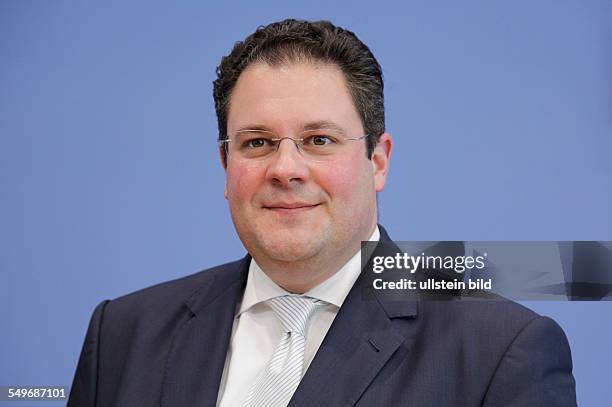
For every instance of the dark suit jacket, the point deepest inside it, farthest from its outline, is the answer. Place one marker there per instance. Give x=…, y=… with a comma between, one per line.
x=166, y=345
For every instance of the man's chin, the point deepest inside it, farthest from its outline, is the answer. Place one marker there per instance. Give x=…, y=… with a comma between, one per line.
x=293, y=245
x=291, y=255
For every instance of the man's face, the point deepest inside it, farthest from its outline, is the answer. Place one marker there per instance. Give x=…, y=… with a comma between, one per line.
x=289, y=208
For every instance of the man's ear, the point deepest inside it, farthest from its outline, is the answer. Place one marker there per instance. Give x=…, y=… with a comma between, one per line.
x=381, y=158
x=223, y=157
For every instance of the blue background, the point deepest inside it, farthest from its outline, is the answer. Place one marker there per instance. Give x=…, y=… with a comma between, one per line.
x=110, y=179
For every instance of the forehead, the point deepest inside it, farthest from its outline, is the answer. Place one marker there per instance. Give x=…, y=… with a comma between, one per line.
x=286, y=97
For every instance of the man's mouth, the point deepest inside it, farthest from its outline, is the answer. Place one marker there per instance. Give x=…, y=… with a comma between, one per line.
x=290, y=207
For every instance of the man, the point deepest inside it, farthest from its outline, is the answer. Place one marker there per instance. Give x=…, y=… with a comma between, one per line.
x=303, y=143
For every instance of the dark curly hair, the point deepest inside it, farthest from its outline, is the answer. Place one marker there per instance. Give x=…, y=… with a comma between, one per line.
x=290, y=41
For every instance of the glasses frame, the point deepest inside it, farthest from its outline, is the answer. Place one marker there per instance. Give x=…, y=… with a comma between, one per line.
x=299, y=142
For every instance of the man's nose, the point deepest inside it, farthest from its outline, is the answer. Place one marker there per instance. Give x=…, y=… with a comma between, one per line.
x=287, y=165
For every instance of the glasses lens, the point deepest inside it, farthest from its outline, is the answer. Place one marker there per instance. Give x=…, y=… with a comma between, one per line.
x=253, y=145
x=321, y=144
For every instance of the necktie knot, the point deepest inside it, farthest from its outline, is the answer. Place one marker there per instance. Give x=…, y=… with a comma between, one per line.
x=294, y=311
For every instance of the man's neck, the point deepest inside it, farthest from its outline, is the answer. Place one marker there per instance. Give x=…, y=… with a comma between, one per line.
x=301, y=276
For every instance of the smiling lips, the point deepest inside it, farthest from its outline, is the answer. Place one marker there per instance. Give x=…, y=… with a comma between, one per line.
x=289, y=208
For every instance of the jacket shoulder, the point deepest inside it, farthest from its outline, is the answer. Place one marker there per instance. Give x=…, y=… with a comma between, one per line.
x=162, y=297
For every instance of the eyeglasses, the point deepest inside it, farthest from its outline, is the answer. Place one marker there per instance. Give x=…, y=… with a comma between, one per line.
x=317, y=145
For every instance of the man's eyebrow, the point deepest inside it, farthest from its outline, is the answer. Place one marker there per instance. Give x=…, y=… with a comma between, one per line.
x=323, y=124
x=254, y=127
x=316, y=125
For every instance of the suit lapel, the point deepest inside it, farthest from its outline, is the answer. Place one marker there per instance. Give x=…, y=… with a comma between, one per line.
x=364, y=335
x=197, y=354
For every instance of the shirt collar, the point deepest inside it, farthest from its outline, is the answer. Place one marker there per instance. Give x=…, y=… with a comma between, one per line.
x=260, y=287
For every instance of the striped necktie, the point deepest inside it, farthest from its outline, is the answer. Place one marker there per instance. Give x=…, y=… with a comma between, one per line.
x=282, y=375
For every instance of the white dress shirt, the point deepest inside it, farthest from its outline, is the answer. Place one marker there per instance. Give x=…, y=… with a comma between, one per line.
x=257, y=329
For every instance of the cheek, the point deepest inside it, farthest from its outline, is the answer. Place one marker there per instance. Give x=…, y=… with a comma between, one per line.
x=242, y=181
x=348, y=181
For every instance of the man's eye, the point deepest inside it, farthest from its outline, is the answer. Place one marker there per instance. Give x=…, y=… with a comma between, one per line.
x=319, y=140
x=256, y=143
